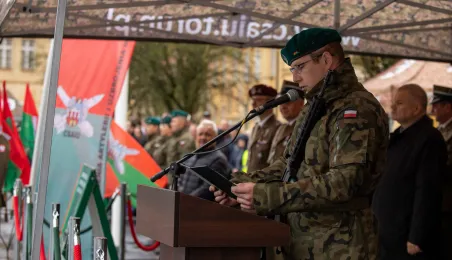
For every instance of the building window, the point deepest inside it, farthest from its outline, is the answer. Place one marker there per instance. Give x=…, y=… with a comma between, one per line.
x=28, y=54
x=5, y=54
x=257, y=64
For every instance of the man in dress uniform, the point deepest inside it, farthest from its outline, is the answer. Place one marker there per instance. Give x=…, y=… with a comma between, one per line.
x=327, y=203
x=442, y=110
x=157, y=148
x=290, y=112
x=152, y=130
x=181, y=142
x=264, y=130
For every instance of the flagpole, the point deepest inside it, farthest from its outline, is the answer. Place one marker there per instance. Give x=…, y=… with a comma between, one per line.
x=47, y=129
x=35, y=163
x=121, y=121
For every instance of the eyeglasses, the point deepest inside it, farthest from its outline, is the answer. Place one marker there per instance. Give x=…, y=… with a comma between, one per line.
x=299, y=67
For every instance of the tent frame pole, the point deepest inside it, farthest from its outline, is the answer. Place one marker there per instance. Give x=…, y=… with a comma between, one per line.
x=47, y=131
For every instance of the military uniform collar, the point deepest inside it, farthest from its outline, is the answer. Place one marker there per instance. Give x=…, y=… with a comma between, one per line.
x=265, y=120
x=445, y=124
x=339, y=84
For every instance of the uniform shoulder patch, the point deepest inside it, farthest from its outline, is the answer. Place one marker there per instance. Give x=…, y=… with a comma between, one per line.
x=350, y=113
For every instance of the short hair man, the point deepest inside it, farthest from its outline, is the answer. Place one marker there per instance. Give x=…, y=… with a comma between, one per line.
x=442, y=109
x=290, y=112
x=157, y=147
x=189, y=182
x=264, y=130
x=407, y=201
x=327, y=208
x=152, y=130
x=181, y=141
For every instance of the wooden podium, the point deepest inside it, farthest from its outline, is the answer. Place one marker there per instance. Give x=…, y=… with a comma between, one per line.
x=192, y=228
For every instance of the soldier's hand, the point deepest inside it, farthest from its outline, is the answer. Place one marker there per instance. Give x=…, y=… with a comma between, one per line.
x=412, y=248
x=244, y=192
x=222, y=198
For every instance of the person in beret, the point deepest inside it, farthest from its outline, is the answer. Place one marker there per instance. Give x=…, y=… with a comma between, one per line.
x=327, y=206
x=158, y=147
x=264, y=130
x=151, y=129
x=442, y=110
x=181, y=141
x=290, y=112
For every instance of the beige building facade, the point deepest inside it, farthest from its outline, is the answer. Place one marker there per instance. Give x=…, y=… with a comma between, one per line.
x=22, y=61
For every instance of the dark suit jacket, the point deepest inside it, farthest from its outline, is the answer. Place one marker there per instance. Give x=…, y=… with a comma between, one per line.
x=407, y=201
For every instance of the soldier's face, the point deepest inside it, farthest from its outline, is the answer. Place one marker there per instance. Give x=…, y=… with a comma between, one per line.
x=204, y=135
x=257, y=100
x=165, y=130
x=442, y=111
x=307, y=72
x=291, y=110
x=178, y=123
x=152, y=129
x=404, y=108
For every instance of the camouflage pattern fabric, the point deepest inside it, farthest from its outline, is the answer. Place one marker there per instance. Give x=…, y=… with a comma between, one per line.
x=280, y=142
x=157, y=149
x=180, y=144
x=345, y=157
x=150, y=140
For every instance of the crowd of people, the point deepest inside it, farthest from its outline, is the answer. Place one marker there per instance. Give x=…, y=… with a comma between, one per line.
x=361, y=192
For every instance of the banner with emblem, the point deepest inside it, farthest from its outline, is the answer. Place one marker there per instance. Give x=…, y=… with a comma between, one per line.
x=128, y=162
x=91, y=76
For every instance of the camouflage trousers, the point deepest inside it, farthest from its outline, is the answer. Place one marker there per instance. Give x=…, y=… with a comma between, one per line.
x=332, y=236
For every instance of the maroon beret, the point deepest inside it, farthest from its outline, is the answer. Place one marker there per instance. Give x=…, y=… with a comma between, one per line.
x=262, y=90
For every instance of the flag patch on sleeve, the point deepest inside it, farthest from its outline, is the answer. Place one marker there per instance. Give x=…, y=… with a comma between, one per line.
x=350, y=113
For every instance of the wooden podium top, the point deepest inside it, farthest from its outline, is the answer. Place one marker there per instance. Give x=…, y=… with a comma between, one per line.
x=180, y=220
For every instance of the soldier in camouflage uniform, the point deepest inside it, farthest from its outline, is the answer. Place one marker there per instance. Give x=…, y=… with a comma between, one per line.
x=157, y=148
x=181, y=141
x=442, y=109
x=290, y=112
x=328, y=208
x=264, y=130
x=152, y=131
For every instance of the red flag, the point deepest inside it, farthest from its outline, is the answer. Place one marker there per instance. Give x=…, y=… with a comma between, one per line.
x=19, y=164
x=7, y=114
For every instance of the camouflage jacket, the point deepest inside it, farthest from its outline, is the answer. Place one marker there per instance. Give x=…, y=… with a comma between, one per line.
x=181, y=143
x=446, y=131
x=280, y=142
x=157, y=149
x=344, y=158
x=150, y=140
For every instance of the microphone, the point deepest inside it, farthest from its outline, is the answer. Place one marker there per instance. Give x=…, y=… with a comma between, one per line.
x=291, y=95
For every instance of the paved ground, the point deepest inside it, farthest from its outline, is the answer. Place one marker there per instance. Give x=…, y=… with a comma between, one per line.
x=7, y=237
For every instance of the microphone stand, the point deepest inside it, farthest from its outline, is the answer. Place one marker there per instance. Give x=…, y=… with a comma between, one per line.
x=176, y=169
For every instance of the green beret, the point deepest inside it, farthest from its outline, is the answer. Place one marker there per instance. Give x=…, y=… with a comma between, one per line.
x=176, y=112
x=308, y=41
x=166, y=120
x=288, y=85
x=441, y=94
x=152, y=120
